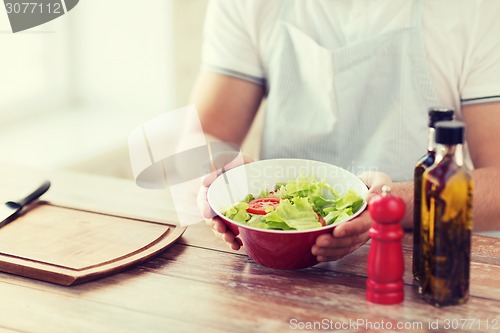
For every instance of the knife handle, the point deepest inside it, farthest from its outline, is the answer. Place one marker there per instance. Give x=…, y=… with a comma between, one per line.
x=35, y=195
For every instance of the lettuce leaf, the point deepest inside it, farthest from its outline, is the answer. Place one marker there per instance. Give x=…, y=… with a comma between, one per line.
x=297, y=216
x=238, y=212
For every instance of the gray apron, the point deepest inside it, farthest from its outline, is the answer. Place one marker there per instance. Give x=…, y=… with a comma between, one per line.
x=362, y=107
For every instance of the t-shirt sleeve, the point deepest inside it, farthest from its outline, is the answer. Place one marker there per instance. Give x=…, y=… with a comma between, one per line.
x=228, y=46
x=482, y=81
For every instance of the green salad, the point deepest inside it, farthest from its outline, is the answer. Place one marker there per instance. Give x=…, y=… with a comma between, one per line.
x=304, y=203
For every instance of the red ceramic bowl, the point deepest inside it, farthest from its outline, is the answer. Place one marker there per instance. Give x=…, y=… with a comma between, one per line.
x=278, y=249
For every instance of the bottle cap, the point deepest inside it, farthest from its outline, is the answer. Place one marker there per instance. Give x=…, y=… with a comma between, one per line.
x=450, y=132
x=439, y=114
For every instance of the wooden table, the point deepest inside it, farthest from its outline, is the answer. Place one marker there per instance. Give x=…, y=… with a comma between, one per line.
x=199, y=285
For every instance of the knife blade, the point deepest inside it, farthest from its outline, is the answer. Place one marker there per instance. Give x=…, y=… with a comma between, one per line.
x=11, y=209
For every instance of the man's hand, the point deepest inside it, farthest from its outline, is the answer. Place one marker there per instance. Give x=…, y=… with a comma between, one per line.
x=214, y=222
x=220, y=230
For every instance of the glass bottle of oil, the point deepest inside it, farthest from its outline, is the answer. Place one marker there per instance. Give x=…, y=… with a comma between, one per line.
x=435, y=115
x=447, y=220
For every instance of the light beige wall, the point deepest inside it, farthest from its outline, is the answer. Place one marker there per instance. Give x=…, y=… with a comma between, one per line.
x=188, y=25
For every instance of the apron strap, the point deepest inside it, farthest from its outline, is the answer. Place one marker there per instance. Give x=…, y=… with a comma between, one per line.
x=416, y=14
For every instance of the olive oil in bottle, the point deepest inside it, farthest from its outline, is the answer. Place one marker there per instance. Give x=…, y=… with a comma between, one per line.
x=435, y=115
x=447, y=220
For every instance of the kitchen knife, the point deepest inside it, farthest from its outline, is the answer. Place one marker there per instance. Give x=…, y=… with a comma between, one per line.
x=11, y=209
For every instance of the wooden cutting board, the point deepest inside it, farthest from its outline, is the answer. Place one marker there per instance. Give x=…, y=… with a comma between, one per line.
x=67, y=246
x=86, y=230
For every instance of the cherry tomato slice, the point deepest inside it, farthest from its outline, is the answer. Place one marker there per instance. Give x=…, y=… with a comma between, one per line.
x=258, y=206
x=321, y=220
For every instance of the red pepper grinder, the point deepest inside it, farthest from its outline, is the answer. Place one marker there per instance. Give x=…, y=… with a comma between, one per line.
x=385, y=259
